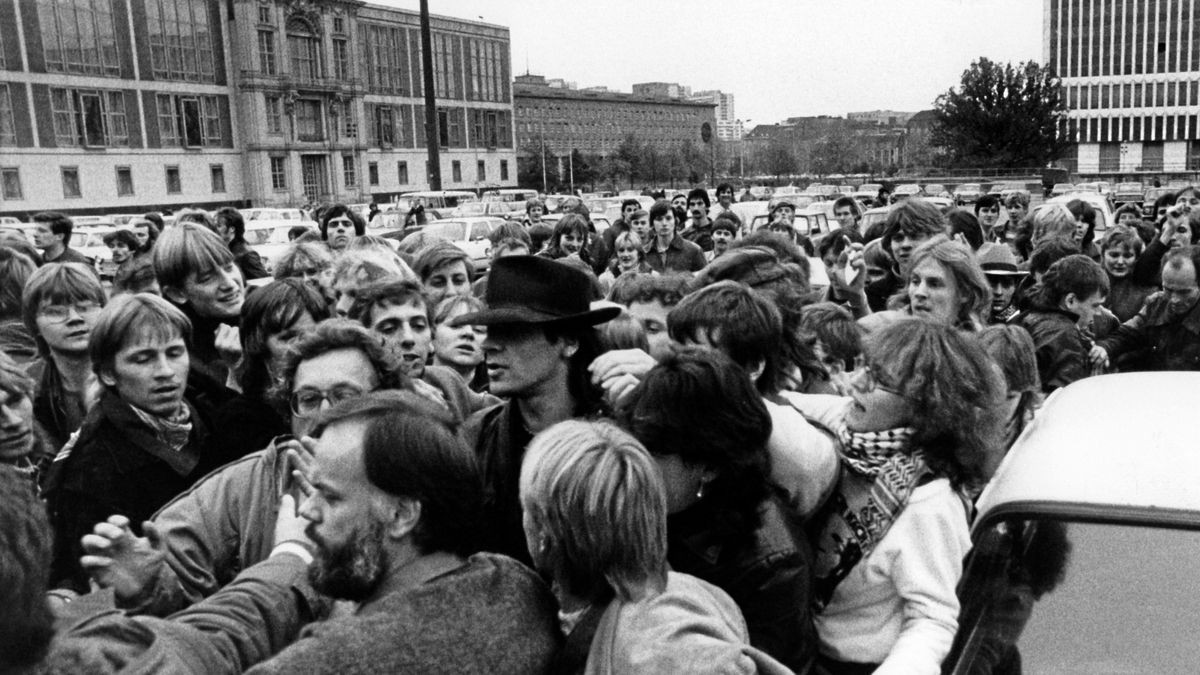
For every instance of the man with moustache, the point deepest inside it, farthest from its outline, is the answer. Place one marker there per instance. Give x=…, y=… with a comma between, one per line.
x=1166, y=332
x=699, y=226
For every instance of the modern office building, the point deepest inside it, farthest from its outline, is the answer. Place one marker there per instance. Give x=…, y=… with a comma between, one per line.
x=111, y=106
x=1130, y=70
x=729, y=127
x=595, y=122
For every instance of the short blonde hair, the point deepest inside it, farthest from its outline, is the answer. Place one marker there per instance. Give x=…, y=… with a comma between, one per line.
x=1054, y=220
x=598, y=499
x=188, y=248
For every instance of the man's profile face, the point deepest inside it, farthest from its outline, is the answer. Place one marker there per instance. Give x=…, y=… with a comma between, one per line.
x=521, y=361
x=346, y=522
x=1179, y=285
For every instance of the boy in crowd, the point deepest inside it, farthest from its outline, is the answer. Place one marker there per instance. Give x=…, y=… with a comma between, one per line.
x=53, y=236
x=1066, y=299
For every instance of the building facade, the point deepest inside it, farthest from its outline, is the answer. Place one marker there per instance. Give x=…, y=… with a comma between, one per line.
x=1130, y=71
x=595, y=122
x=729, y=127
x=110, y=106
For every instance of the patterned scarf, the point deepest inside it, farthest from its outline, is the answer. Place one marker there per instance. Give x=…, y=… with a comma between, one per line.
x=172, y=433
x=880, y=477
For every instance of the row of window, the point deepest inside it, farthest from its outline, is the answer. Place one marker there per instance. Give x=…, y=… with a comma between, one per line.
x=1137, y=129
x=604, y=113
x=279, y=172
x=392, y=59
x=72, y=185
x=1122, y=37
x=1133, y=95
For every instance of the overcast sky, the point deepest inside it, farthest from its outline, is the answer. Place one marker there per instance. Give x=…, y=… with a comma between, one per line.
x=780, y=58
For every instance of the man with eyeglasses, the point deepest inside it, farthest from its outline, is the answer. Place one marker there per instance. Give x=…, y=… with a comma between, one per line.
x=59, y=306
x=198, y=542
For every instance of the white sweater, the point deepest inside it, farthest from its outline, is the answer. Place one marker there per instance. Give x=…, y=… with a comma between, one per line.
x=898, y=607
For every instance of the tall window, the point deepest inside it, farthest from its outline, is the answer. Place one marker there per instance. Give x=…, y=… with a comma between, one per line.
x=402, y=173
x=79, y=36
x=341, y=59
x=124, y=181
x=274, y=114
x=8, y=129
x=180, y=40
x=89, y=117
x=10, y=183
x=445, y=67
x=456, y=171
x=480, y=170
x=349, y=121
x=486, y=63
x=450, y=128
x=486, y=128
x=373, y=173
x=70, y=182
x=217, y=173
x=310, y=125
x=174, y=184
x=504, y=169
x=385, y=126
x=279, y=173
x=191, y=121
x=350, y=171
x=266, y=52
x=385, y=57
x=304, y=49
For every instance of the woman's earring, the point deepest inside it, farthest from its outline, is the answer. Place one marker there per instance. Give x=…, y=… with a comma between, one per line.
x=700, y=491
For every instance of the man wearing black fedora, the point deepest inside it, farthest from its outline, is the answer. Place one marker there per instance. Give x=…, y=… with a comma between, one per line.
x=1000, y=267
x=540, y=342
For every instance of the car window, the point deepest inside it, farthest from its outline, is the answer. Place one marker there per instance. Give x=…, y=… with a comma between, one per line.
x=452, y=231
x=1078, y=597
x=479, y=231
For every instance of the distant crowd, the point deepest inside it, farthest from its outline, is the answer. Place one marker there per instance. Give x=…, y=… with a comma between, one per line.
x=667, y=447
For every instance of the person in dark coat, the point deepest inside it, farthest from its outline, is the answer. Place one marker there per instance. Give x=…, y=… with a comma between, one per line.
x=145, y=440
x=1167, y=329
x=701, y=418
x=53, y=236
x=539, y=344
x=667, y=250
x=232, y=228
x=1068, y=297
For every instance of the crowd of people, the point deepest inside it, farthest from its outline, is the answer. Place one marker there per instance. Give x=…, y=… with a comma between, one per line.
x=656, y=449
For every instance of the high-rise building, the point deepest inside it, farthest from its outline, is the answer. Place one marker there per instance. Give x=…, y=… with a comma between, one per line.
x=729, y=127
x=110, y=107
x=1130, y=71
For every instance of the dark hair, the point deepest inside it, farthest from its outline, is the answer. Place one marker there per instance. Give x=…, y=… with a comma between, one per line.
x=1165, y=199
x=723, y=187
x=532, y=202
x=155, y=219
x=986, y=202
x=1125, y=237
x=126, y=237
x=743, y=323
x=136, y=277
x=667, y=289
x=1076, y=274
x=267, y=311
x=960, y=221
x=1049, y=252
x=699, y=405
x=440, y=254
x=570, y=224
x=393, y=293
x=539, y=233
x=57, y=222
x=508, y=230
x=848, y=201
x=834, y=243
x=589, y=399
x=297, y=231
x=337, y=210
x=660, y=208
x=954, y=392
x=58, y=284
x=331, y=335
x=414, y=449
x=231, y=218
x=630, y=202
x=15, y=270
x=699, y=193
x=836, y=328
x=727, y=220
x=1085, y=212
x=26, y=622
x=913, y=217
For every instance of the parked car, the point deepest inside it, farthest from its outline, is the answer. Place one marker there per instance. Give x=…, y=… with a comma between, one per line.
x=439, y=202
x=938, y=190
x=1084, y=540
x=469, y=234
x=1060, y=189
x=1148, y=200
x=967, y=193
x=271, y=214
x=517, y=195
x=1104, y=210
x=906, y=190
x=867, y=192
x=496, y=208
x=1128, y=193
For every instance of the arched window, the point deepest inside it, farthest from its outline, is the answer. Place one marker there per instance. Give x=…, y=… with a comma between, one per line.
x=304, y=49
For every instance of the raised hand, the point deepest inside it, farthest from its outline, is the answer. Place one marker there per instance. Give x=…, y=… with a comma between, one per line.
x=117, y=558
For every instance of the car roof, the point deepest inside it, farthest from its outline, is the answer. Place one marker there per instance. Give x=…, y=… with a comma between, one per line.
x=1124, y=440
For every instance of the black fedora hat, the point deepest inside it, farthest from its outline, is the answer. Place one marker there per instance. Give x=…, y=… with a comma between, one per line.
x=531, y=289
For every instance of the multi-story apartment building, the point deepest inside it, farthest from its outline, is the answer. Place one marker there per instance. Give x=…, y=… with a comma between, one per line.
x=729, y=127
x=124, y=105
x=595, y=122
x=1130, y=70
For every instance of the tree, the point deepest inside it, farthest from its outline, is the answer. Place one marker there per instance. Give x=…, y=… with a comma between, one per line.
x=835, y=152
x=529, y=168
x=776, y=158
x=585, y=168
x=1002, y=116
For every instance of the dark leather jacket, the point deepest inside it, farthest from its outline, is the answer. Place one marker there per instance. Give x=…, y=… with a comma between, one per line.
x=1062, y=350
x=1168, y=342
x=767, y=573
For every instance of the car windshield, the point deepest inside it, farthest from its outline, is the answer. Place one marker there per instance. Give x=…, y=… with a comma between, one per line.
x=1059, y=596
x=449, y=230
x=258, y=235
x=471, y=209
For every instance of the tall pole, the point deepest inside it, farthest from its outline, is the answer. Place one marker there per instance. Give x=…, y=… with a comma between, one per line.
x=431, y=130
x=545, y=189
x=571, y=165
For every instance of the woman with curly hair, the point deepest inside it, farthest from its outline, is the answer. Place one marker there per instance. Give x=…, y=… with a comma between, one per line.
x=917, y=435
x=699, y=415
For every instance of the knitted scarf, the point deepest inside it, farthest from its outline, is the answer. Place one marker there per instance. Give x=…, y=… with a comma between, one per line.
x=879, y=474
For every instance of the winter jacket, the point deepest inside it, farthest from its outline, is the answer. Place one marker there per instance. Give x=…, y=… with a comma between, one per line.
x=117, y=465
x=247, y=260
x=766, y=572
x=1170, y=343
x=681, y=255
x=499, y=438
x=252, y=618
x=1061, y=349
x=1126, y=297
